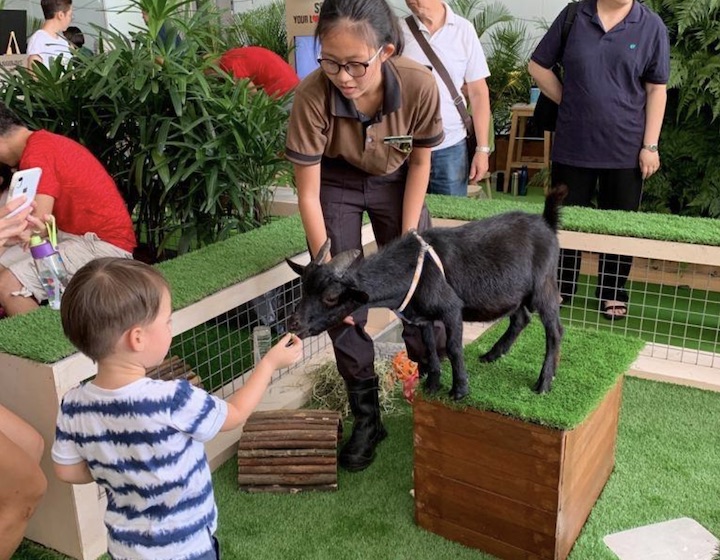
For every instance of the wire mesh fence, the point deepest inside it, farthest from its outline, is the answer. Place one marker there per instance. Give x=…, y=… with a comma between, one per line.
x=673, y=306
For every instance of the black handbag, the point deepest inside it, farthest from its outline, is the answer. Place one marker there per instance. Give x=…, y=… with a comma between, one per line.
x=470, y=140
x=546, y=110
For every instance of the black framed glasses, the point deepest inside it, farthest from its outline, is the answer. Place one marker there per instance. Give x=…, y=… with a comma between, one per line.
x=354, y=69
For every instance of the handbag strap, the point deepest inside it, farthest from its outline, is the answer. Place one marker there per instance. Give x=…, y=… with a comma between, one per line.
x=458, y=99
x=567, y=24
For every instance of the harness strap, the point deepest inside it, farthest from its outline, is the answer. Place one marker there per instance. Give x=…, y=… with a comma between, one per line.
x=425, y=248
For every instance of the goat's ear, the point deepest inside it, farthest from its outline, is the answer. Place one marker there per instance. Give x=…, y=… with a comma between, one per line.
x=322, y=253
x=340, y=264
x=297, y=268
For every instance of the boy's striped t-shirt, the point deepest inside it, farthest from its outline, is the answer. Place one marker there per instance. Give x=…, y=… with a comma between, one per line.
x=143, y=444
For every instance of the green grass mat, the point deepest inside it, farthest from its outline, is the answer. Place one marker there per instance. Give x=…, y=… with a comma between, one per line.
x=667, y=462
x=505, y=386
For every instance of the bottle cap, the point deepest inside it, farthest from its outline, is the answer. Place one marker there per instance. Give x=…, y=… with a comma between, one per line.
x=40, y=247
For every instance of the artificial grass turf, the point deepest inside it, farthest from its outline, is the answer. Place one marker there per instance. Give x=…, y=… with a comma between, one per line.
x=590, y=364
x=667, y=460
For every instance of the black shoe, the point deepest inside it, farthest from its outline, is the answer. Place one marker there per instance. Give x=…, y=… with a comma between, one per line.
x=359, y=451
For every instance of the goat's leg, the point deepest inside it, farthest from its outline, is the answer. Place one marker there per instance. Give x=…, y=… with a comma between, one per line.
x=549, y=312
x=518, y=321
x=454, y=331
x=430, y=367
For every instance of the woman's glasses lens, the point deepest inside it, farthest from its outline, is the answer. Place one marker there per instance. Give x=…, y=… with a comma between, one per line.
x=354, y=69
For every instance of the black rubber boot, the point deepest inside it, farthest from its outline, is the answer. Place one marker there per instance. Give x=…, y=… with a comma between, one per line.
x=368, y=431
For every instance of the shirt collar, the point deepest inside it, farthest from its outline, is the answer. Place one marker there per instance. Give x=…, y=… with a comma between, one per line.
x=590, y=9
x=341, y=106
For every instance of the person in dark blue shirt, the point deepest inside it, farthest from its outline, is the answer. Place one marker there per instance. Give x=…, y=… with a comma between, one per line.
x=611, y=106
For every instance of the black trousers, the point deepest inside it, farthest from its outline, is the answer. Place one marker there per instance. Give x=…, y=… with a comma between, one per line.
x=346, y=192
x=609, y=189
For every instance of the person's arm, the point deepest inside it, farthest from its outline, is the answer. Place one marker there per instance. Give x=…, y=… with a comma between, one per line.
x=79, y=473
x=547, y=81
x=654, y=113
x=479, y=97
x=307, y=181
x=243, y=402
x=416, y=185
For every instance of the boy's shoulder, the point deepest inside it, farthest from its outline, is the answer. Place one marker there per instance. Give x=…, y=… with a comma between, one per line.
x=145, y=389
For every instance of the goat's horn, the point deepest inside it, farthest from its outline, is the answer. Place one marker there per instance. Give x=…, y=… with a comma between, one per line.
x=322, y=253
x=340, y=264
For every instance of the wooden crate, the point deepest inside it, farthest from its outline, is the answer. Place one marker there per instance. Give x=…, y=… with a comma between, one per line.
x=510, y=488
x=289, y=451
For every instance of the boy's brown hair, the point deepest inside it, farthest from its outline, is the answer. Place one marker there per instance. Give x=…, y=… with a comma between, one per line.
x=52, y=7
x=105, y=298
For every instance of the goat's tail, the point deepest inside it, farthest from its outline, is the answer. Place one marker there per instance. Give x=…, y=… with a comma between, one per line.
x=553, y=202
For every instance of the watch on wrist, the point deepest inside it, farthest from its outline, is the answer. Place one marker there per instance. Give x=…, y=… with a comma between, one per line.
x=482, y=150
x=650, y=147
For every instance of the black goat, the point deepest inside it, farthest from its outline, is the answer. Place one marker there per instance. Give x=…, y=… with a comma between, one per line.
x=503, y=265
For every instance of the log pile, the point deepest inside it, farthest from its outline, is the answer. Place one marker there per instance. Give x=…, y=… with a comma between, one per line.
x=174, y=368
x=289, y=451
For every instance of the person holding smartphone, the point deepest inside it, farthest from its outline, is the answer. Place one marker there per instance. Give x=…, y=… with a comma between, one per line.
x=359, y=137
x=91, y=215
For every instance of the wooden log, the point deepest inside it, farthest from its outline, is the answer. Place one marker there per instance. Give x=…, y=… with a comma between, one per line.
x=281, y=425
x=297, y=414
x=289, y=444
x=327, y=452
x=287, y=479
x=289, y=489
x=296, y=460
x=279, y=470
x=289, y=435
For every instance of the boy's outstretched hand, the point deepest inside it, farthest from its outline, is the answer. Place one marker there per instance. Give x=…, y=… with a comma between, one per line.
x=286, y=352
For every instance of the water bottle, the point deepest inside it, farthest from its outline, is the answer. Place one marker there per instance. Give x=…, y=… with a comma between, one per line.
x=515, y=183
x=262, y=342
x=50, y=269
x=523, y=181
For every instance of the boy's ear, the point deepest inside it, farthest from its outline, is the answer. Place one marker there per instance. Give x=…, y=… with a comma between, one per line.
x=134, y=338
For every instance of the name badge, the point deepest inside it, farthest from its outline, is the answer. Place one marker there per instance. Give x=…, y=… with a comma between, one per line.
x=401, y=143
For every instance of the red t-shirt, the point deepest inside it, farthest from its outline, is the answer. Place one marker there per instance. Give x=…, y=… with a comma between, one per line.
x=86, y=197
x=263, y=67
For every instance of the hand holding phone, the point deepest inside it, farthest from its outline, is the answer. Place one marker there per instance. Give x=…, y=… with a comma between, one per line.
x=24, y=183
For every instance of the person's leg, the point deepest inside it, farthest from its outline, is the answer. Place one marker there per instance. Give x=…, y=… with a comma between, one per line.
x=449, y=170
x=343, y=201
x=619, y=189
x=581, y=183
x=22, y=482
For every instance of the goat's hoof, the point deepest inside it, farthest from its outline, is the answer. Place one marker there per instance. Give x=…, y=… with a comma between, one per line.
x=432, y=386
x=458, y=393
x=542, y=387
x=489, y=357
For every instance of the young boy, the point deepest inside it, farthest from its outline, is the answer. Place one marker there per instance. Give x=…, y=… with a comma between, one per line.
x=138, y=438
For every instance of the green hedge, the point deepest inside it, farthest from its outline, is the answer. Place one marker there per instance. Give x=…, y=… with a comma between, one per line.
x=38, y=336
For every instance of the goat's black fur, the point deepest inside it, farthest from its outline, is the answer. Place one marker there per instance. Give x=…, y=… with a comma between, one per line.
x=505, y=265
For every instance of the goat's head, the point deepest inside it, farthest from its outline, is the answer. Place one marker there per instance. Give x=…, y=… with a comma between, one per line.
x=329, y=292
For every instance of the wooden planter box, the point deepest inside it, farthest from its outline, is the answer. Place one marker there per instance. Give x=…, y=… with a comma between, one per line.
x=507, y=487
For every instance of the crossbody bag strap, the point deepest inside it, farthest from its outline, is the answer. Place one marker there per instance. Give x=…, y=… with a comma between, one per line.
x=458, y=99
x=567, y=25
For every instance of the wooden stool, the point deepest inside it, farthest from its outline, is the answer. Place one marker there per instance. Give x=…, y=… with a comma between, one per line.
x=289, y=451
x=520, y=112
x=174, y=368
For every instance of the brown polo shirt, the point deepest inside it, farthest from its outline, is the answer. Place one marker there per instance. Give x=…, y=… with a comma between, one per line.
x=325, y=123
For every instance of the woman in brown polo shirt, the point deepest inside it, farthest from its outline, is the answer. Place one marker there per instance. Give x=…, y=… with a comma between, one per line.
x=359, y=137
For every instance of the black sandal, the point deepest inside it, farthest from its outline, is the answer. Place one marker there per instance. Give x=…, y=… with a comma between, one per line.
x=608, y=308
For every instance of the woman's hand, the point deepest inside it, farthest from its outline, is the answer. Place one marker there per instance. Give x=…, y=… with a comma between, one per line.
x=12, y=229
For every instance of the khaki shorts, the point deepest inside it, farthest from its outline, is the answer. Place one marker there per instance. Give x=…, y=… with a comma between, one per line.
x=76, y=251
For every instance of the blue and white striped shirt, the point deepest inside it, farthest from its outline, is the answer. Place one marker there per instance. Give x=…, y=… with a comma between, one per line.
x=143, y=445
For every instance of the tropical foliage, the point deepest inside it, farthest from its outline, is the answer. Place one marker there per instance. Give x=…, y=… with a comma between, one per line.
x=193, y=152
x=689, y=180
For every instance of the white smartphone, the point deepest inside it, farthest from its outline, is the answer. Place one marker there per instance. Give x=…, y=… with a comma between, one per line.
x=26, y=183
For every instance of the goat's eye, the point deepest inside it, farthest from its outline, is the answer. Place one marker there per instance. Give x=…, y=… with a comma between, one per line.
x=331, y=300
